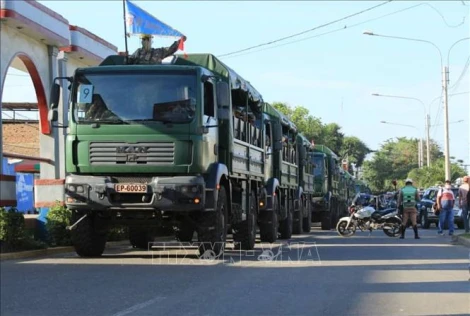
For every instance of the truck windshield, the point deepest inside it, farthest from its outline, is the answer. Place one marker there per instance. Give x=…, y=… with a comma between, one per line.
x=319, y=165
x=123, y=98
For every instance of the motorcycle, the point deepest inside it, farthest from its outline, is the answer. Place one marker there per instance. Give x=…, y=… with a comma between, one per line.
x=368, y=218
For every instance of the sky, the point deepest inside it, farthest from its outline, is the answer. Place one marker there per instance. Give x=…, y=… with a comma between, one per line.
x=331, y=70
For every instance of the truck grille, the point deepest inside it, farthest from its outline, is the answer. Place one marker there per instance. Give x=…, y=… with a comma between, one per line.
x=132, y=154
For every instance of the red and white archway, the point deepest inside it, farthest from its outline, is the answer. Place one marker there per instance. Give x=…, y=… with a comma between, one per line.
x=41, y=42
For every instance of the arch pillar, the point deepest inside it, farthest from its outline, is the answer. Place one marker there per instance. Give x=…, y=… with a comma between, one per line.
x=49, y=143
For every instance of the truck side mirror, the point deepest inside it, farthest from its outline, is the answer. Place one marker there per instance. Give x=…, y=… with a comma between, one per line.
x=54, y=96
x=223, y=94
x=52, y=115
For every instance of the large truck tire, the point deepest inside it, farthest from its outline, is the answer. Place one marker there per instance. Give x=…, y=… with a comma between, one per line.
x=140, y=237
x=86, y=241
x=297, y=221
x=326, y=221
x=212, y=232
x=285, y=228
x=307, y=221
x=269, y=227
x=244, y=233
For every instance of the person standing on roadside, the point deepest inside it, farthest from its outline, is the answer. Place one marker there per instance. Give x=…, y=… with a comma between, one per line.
x=446, y=201
x=408, y=198
x=463, y=202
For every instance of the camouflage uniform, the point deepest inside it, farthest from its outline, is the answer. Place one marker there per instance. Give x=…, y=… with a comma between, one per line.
x=154, y=56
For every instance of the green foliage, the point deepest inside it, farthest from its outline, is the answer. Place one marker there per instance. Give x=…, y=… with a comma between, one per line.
x=429, y=176
x=13, y=236
x=355, y=149
x=398, y=159
x=329, y=135
x=58, y=218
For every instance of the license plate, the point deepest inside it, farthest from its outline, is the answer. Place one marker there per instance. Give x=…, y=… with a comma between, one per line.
x=130, y=188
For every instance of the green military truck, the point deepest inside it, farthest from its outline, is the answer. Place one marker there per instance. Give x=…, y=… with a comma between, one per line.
x=303, y=221
x=282, y=202
x=329, y=197
x=179, y=145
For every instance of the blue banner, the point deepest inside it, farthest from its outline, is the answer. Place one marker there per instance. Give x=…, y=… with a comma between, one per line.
x=141, y=22
x=24, y=192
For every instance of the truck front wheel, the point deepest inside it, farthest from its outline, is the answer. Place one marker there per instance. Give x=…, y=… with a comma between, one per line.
x=245, y=232
x=298, y=218
x=269, y=225
x=307, y=221
x=212, y=232
x=87, y=241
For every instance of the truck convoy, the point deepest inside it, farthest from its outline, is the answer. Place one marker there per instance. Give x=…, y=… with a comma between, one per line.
x=189, y=145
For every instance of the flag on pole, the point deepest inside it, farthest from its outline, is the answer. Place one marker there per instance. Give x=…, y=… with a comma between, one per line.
x=140, y=21
x=181, y=48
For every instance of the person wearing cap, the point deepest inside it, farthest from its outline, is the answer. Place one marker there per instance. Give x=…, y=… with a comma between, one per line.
x=445, y=201
x=463, y=201
x=408, y=198
x=146, y=55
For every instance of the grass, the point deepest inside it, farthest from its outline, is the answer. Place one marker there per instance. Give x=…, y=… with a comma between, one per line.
x=465, y=235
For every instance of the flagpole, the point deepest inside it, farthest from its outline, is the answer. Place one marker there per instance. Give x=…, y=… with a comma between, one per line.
x=125, y=27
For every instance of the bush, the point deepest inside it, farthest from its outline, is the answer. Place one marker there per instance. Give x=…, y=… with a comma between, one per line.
x=58, y=218
x=13, y=236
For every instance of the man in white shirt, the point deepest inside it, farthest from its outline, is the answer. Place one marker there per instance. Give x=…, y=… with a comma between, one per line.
x=446, y=200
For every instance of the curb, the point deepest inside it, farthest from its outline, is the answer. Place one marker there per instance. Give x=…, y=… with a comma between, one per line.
x=59, y=250
x=461, y=240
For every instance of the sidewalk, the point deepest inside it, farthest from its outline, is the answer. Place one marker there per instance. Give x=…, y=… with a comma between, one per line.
x=462, y=239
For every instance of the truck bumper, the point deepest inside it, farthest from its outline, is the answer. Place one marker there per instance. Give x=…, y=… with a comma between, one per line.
x=101, y=193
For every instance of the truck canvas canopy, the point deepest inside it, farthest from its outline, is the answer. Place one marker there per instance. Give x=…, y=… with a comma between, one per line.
x=210, y=62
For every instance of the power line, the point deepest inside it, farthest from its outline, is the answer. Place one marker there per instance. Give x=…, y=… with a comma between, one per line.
x=307, y=31
x=332, y=31
x=442, y=16
x=26, y=123
x=456, y=84
x=344, y=28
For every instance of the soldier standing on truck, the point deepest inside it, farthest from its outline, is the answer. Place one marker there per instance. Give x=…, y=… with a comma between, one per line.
x=407, y=199
x=146, y=55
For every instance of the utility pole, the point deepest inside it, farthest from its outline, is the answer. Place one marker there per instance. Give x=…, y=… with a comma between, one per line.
x=428, y=146
x=445, y=78
x=419, y=153
x=421, y=143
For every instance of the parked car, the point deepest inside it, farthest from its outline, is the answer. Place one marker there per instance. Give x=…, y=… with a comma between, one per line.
x=426, y=215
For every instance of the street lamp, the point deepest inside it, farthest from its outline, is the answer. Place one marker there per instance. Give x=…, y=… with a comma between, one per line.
x=445, y=79
x=459, y=121
x=426, y=122
x=420, y=144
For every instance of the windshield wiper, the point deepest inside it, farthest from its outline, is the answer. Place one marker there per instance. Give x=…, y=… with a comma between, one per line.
x=113, y=121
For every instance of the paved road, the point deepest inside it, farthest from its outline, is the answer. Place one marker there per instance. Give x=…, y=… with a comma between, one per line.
x=326, y=275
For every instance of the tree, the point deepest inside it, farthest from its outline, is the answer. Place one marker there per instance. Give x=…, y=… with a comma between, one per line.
x=333, y=138
x=354, y=150
x=329, y=135
x=429, y=176
x=398, y=159
x=393, y=161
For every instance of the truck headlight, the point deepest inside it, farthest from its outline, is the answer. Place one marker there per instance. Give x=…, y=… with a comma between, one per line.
x=191, y=189
x=78, y=188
